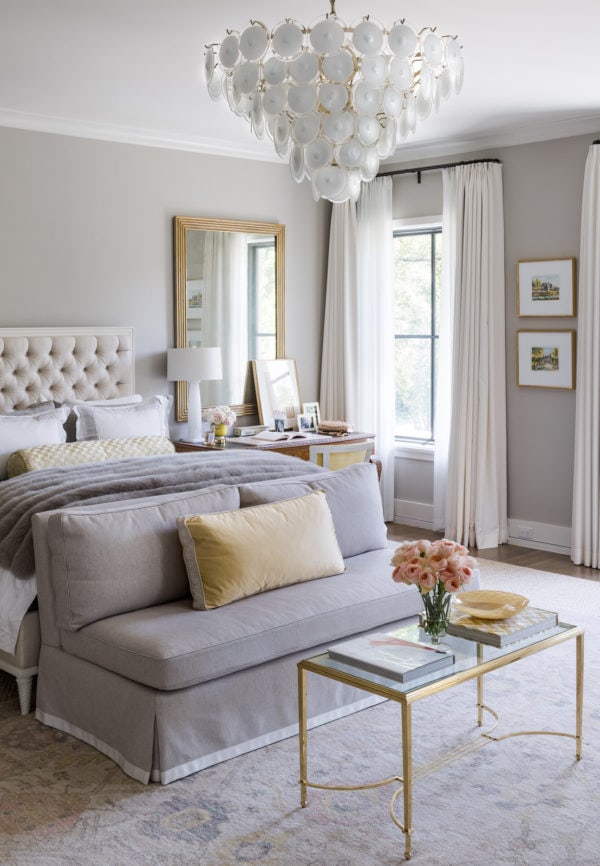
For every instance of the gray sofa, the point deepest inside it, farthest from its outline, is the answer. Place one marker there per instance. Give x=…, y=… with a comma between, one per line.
x=128, y=665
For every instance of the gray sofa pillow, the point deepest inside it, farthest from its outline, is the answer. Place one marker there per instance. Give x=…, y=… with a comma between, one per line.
x=352, y=495
x=111, y=559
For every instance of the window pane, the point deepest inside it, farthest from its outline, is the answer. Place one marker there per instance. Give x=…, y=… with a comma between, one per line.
x=413, y=388
x=412, y=254
x=437, y=241
x=265, y=263
x=265, y=350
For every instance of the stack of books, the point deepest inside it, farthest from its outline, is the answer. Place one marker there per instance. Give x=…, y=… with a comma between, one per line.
x=390, y=655
x=502, y=632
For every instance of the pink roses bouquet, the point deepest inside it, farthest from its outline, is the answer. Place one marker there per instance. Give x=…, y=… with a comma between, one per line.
x=437, y=568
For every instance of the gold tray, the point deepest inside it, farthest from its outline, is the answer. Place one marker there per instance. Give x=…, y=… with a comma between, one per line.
x=489, y=603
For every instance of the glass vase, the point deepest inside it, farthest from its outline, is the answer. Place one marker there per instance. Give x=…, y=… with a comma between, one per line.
x=434, y=619
x=220, y=434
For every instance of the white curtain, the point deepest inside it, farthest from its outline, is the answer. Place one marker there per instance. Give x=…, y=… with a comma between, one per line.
x=338, y=366
x=470, y=452
x=585, y=533
x=225, y=313
x=357, y=381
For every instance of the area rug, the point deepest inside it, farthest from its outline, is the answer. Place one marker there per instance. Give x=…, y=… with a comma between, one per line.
x=523, y=802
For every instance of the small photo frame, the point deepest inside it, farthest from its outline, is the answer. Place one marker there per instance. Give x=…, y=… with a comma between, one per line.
x=313, y=410
x=306, y=423
x=546, y=287
x=546, y=359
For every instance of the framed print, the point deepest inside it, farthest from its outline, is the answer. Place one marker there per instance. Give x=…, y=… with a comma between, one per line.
x=277, y=392
x=306, y=423
x=546, y=287
x=546, y=359
x=313, y=410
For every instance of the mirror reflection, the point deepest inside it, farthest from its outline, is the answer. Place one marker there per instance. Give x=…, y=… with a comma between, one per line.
x=229, y=293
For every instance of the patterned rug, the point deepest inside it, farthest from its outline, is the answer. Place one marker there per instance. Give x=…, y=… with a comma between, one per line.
x=522, y=802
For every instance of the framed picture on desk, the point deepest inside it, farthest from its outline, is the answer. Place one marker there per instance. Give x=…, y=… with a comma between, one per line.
x=276, y=384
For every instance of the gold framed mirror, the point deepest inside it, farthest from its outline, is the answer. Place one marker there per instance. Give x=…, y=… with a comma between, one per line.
x=229, y=292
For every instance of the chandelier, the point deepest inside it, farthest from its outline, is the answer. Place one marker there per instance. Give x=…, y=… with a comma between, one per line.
x=336, y=99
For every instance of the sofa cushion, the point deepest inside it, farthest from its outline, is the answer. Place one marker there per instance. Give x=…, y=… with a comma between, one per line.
x=235, y=554
x=353, y=497
x=111, y=558
x=172, y=646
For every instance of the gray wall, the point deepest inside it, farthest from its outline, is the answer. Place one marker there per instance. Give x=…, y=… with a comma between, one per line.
x=543, y=186
x=86, y=239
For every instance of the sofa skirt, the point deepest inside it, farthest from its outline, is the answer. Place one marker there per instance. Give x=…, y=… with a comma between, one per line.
x=163, y=736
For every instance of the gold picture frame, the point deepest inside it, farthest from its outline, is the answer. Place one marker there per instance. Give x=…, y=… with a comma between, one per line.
x=546, y=359
x=546, y=287
x=277, y=391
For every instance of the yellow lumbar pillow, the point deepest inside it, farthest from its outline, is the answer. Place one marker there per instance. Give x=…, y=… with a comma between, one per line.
x=233, y=554
x=92, y=451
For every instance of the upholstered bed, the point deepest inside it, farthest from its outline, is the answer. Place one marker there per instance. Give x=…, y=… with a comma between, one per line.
x=39, y=365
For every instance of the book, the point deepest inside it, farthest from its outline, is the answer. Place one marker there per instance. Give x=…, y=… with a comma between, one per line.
x=249, y=431
x=276, y=436
x=391, y=656
x=502, y=632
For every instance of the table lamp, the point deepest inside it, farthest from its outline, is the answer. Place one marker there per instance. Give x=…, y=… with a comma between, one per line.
x=193, y=366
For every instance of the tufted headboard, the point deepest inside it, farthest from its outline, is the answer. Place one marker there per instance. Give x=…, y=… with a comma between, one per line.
x=39, y=364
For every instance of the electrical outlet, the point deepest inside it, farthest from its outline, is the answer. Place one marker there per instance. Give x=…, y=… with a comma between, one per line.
x=525, y=531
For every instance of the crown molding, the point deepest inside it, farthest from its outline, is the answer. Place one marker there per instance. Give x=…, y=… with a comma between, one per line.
x=501, y=137
x=251, y=148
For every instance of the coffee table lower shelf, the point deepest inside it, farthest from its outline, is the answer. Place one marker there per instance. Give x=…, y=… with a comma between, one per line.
x=409, y=693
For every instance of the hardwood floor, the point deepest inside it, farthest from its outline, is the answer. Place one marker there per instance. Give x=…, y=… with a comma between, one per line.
x=526, y=557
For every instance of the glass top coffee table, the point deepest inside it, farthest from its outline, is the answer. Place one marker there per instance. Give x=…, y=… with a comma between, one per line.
x=472, y=661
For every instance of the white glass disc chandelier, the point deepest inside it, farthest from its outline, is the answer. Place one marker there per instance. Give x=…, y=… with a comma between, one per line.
x=336, y=99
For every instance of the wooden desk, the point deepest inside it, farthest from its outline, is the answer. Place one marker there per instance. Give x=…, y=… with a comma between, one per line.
x=292, y=447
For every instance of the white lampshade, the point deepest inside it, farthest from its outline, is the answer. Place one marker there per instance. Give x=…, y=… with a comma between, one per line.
x=194, y=365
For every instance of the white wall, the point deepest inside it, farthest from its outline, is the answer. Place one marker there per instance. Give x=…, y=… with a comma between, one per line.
x=86, y=239
x=543, y=186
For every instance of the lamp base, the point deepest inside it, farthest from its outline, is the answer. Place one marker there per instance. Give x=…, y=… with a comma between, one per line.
x=194, y=413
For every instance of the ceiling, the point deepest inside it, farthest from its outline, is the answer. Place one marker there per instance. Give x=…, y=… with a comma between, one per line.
x=132, y=70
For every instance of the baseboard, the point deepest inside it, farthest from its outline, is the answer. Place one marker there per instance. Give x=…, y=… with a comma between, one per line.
x=539, y=536
x=413, y=513
x=522, y=533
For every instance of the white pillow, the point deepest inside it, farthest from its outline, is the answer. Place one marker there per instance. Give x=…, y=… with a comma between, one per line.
x=149, y=417
x=28, y=431
x=113, y=401
x=36, y=409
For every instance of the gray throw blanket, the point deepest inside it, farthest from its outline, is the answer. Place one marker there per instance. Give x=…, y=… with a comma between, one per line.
x=46, y=489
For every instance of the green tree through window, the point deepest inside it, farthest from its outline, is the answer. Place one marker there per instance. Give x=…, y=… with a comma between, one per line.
x=417, y=278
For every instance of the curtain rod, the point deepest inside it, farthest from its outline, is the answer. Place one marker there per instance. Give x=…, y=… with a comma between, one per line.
x=419, y=171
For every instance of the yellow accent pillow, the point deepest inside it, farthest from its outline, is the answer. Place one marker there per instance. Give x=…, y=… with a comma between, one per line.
x=92, y=451
x=233, y=554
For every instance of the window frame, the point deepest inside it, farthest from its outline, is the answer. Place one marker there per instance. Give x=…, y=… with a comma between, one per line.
x=422, y=225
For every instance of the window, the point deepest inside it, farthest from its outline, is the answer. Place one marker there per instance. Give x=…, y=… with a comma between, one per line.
x=417, y=278
x=262, y=337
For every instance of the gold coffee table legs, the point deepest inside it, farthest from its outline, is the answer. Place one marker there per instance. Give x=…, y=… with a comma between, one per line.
x=482, y=666
x=405, y=780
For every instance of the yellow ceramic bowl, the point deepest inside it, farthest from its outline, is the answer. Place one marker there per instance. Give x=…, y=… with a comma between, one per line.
x=489, y=603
